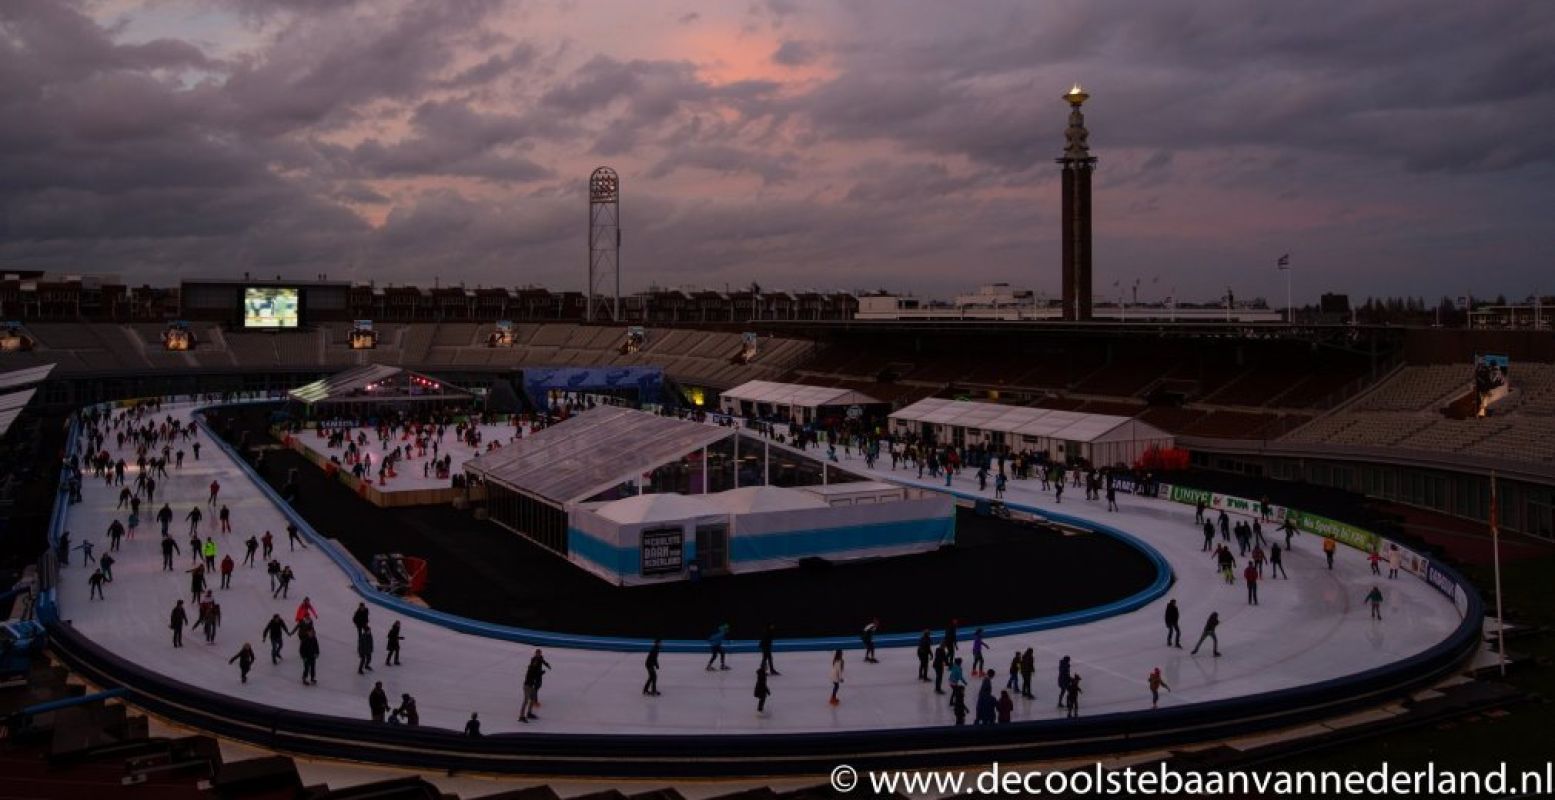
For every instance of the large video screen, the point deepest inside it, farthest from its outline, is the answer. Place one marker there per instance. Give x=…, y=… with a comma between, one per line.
x=266, y=307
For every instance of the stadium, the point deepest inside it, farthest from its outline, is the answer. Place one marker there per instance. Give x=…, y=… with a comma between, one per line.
x=700, y=543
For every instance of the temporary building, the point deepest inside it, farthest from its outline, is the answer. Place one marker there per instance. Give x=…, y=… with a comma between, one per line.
x=1101, y=439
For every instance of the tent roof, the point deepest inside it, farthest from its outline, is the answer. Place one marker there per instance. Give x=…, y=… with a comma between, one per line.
x=24, y=377
x=1072, y=426
x=592, y=451
x=349, y=383
x=797, y=394
x=657, y=508
x=11, y=406
x=757, y=499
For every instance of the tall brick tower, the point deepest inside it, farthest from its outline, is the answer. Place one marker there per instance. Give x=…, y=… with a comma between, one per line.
x=1077, y=165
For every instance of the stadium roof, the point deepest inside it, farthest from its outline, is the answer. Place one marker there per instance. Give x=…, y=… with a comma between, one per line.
x=11, y=407
x=797, y=394
x=1070, y=426
x=25, y=377
x=358, y=384
x=592, y=451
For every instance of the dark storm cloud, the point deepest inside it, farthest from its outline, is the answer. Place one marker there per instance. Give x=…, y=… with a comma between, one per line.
x=916, y=150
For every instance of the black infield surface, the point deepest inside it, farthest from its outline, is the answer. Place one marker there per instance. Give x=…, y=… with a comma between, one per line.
x=998, y=571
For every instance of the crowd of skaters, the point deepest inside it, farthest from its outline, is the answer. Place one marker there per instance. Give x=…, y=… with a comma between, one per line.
x=156, y=441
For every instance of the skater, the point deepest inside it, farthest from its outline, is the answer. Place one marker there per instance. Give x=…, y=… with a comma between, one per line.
x=1063, y=680
x=1112, y=498
x=1394, y=557
x=224, y=516
x=391, y=645
x=406, y=714
x=1173, y=630
x=1198, y=511
x=215, y=490
x=1329, y=546
x=1073, y=704
x=308, y=649
x=269, y=545
x=533, y=675
x=1258, y=559
x=959, y=708
x=1012, y=679
x=305, y=611
x=193, y=518
x=169, y=548
x=987, y=706
x=1209, y=537
x=364, y=650
x=115, y=533
x=1276, y=566
x=106, y=565
x=179, y=619
x=925, y=654
x=95, y=583
x=1210, y=625
x=275, y=633
x=651, y=664
x=951, y=636
x=762, y=692
x=283, y=582
x=210, y=618
x=197, y=583
x=1028, y=668
x=766, y=652
x=1005, y=708
x=472, y=728
x=957, y=683
x=716, y=644
x=378, y=702
x=245, y=659
x=978, y=662
x=226, y=571
x=941, y=663
x=359, y=618
x=837, y=666
x=1250, y=574
x=250, y=548
x=1225, y=525
x=209, y=551
x=165, y=517
x=1289, y=529
x=1374, y=558
x=1156, y=685
x=294, y=537
x=1374, y=599
x=869, y=641
x=86, y=552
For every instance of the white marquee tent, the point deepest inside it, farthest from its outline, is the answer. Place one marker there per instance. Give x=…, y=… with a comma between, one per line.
x=766, y=398
x=1101, y=439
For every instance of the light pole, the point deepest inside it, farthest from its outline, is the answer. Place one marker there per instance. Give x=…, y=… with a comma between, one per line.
x=1290, y=309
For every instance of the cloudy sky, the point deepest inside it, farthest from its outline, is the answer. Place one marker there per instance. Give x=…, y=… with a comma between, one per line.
x=1390, y=147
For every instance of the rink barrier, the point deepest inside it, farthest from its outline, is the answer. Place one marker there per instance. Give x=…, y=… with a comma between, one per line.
x=709, y=755
x=366, y=586
x=746, y=754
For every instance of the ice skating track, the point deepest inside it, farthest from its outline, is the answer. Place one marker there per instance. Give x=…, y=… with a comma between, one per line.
x=1308, y=650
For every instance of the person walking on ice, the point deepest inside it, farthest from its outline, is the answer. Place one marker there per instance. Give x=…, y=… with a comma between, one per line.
x=1210, y=626
x=762, y=691
x=716, y=646
x=651, y=665
x=1157, y=683
x=837, y=665
x=1374, y=599
x=1173, y=629
x=177, y=621
x=1329, y=546
x=364, y=650
x=245, y=659
x=1250, y=574
x=391, y=645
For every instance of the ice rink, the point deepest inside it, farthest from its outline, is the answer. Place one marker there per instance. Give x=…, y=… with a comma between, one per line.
x=1309, y=628
x=409, y=475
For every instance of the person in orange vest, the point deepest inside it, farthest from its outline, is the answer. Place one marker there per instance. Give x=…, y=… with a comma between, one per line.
x=1329, y=546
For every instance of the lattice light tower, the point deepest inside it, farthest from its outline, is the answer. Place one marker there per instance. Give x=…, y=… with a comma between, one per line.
x=604, y=290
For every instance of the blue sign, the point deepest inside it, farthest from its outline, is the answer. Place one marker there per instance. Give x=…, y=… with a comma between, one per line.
x=646, y=381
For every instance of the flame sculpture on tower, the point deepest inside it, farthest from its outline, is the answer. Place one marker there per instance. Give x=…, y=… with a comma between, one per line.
x=1077, y=164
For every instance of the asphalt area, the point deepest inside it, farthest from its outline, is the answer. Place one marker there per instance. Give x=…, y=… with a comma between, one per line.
x=997, y=571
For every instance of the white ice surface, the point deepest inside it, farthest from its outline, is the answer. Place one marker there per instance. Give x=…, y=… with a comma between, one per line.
x=1312, y=627
x=408, y=475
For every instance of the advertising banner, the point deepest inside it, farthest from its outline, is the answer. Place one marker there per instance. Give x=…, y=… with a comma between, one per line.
x=661, y=551
x=1343, y=533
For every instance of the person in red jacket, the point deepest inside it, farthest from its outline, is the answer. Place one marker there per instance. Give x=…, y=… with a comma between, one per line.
x=1251, y=576
x=226, y=571
x=215, y=490
x=306, y=611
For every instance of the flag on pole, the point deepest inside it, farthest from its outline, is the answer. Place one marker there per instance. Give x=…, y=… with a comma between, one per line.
x=1284, y=262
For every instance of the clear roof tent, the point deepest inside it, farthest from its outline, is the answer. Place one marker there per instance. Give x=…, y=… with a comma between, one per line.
x=11, y=406
x=796, y=394
x=25, y=377
x=343, y=383
x=590, y=452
